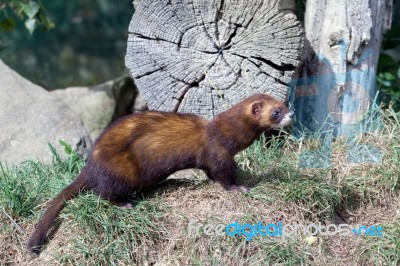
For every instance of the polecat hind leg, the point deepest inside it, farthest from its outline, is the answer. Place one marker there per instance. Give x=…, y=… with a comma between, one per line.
x=114, y=189
x=123, y=205
x=239, y=188
x=118, y=200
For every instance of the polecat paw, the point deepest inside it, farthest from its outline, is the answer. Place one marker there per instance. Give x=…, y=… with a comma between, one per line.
x=239, y=188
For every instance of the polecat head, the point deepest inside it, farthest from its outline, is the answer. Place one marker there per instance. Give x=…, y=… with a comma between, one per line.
x=270, y=112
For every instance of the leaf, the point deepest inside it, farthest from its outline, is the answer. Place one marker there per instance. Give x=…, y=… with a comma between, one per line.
x=7, y=24
x=30, y=9
x=386, y=83
x=67, y=147
x=30, y=24
x=54, y=153
x=398, y=73
x=389, y=76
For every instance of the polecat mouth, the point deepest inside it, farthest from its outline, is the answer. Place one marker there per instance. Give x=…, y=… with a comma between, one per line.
x=286, y=120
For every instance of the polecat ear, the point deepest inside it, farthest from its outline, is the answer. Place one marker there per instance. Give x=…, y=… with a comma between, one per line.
x=256, y=108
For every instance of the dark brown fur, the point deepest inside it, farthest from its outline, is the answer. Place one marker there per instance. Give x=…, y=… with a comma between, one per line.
x=140, y=150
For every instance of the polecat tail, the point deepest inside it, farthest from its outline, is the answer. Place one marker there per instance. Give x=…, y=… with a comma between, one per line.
x=38, y=238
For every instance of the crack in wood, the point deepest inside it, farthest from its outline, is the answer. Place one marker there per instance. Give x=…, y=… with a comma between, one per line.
x=149, y=38
x=186, y=89
x=237, y=75
x=225, y=45
x=208, y=52
x=282, y=68
x=148, y=73
x=191, y=85
x=204, y=25
x=262, y=71
x=218, y=17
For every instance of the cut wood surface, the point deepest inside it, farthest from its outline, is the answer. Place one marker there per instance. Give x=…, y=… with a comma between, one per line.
x=202, y=56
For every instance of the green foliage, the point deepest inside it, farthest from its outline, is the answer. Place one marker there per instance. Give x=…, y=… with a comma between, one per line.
x=316, y=196
x=87, y=44
x=23, y=187
x=7, y=24
x=31, y=12
x=388, y=76
x=24, y=190
x=384, y=252
x=388, y=79
x=19, y=192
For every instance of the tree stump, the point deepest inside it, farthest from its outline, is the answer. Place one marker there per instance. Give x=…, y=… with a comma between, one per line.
x=202, y=56
x=337, y=82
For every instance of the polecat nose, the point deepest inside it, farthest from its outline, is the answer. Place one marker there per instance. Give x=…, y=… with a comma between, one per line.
x=291, y=114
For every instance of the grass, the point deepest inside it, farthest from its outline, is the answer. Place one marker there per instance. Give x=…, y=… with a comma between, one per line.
x=155, y=232
x=384, y=252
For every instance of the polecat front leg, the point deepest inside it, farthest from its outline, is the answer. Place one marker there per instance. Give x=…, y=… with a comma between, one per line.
x=224, y=172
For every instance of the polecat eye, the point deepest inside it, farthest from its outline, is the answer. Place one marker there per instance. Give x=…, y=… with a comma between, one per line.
x=276, y=113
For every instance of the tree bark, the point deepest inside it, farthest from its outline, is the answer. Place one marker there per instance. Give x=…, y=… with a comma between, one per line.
x=202, y=56
x=336, y=84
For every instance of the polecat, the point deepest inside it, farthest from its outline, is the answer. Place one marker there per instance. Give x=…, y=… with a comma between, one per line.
x=140, y=150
